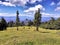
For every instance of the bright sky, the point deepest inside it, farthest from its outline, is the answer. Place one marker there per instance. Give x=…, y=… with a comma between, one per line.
x=27, y=8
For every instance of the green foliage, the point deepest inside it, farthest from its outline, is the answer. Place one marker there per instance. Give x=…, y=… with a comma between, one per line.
x=52, y=24
x=10, y=24
x=3, y=24
x=37, y=19
x=30, y=23
x=17, y=19
x=22, y=23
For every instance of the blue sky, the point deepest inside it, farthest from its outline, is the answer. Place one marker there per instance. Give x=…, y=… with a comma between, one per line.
x=27, y=8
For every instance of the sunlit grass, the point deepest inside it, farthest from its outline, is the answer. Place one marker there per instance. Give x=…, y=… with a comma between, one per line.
x=27, y=35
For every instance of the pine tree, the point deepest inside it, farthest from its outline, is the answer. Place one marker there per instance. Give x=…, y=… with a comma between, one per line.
x=37, y=19
x=17, y=19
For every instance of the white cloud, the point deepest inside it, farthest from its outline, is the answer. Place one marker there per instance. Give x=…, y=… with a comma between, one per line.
x=22, y=2
x=57, y=9
x=46, y=14
x=33, y=1
x=33, y=9
x=30, y=15
x=3, y=13
x=7, y=14
x=6, y=3
x=13, y=14
x=19, y=2
x=49, y=15
x=53, y=3
x=58, y=3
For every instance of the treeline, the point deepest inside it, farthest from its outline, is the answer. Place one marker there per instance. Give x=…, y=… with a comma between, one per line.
x=22, y=23
x=4, y=24
x=53, y=24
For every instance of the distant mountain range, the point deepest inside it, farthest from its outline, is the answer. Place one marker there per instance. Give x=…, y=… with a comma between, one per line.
x=23, y=18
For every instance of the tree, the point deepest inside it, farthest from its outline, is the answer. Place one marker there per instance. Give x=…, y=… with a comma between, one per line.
x=17, y=19
x=3, y=24
x=30, y=23
x=52, y=19
x=22, y=23
x=49, y=24
x=37, y=19
x=57, y=24
x=26, y=22
x=10, y=24
x=52, y=24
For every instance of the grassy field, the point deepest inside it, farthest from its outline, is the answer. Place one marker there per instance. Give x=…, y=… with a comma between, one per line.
x=29, y=36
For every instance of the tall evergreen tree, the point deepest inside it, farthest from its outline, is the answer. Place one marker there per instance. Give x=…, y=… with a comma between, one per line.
x=37, y=19
x=17, y=19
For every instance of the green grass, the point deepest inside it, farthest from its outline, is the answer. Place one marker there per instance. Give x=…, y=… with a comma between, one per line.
x=29, y=36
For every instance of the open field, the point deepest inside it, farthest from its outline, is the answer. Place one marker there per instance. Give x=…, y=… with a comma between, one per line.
x=28, y=36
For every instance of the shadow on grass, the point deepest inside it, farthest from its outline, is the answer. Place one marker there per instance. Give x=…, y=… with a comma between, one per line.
x=44, y=32
x=25, y=43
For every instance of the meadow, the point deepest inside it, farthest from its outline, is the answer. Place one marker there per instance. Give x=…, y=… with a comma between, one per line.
x=29, y=36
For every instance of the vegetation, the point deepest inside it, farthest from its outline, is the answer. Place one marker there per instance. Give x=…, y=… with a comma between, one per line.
x=37, y=19
x=11, y=24
x=47, y=34
x=27, y=35
x=51, y=24
x=17, y=19
x=3, y=24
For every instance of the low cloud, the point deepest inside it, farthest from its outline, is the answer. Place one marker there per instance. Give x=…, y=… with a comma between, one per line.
x=49, y=15
x=11, y=15
x=6, y=14
x=30, y=15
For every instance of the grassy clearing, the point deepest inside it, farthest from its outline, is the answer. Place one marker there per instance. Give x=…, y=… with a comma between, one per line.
x=28, y=36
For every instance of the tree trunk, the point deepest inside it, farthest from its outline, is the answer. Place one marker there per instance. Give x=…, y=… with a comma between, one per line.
x=37, y=28
x=17, y=28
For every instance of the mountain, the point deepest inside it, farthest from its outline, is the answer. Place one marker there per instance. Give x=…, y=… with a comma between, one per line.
x=22, y=18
